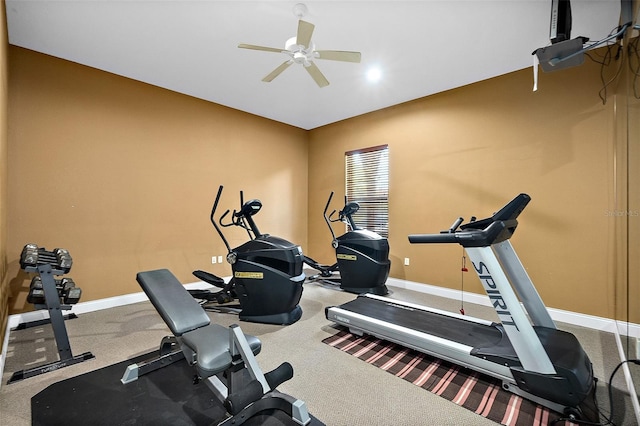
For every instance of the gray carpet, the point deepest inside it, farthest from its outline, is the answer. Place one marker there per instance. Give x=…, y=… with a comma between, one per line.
x=339, y=389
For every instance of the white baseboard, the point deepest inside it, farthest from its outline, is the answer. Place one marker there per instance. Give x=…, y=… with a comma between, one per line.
x=91, y=306
x=79, y=308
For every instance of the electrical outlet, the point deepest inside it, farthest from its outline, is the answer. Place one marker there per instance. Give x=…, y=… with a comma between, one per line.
x=219, y=259
x=213, y=260
x=406, y=261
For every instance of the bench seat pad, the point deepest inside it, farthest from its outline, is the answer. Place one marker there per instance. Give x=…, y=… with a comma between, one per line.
x=211, y=344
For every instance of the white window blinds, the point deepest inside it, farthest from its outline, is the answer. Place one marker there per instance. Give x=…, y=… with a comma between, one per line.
x=367, y=183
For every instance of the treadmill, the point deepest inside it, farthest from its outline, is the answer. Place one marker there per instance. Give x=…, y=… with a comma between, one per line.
x=525, y=350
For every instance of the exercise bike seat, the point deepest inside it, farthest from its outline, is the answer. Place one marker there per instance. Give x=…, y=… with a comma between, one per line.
x=204, y=344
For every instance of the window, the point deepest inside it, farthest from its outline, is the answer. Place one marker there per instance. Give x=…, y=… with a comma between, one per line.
x=367, y=183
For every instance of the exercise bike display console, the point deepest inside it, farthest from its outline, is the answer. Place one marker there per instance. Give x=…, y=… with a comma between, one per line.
x=526, y=351
x=362, y=256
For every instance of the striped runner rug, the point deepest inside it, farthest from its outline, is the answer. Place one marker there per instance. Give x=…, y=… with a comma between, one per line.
x=474, y=391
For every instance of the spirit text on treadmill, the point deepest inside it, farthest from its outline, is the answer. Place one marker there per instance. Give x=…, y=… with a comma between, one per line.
x=343, y=319
x=494, y=295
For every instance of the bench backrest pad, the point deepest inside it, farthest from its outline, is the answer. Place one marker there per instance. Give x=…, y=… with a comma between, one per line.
x=179, y=310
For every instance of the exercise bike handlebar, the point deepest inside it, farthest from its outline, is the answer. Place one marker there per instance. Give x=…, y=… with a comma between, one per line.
x=232, y=223
x=347, y=212
x=243, y=217
x=344, y=215
x=328, y=218
x=247, y=210
x=213, y=219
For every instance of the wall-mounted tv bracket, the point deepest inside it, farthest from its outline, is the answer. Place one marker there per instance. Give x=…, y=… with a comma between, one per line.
x=55, y=295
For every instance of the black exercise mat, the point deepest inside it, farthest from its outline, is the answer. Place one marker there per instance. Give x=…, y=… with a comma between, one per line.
x=163, y=397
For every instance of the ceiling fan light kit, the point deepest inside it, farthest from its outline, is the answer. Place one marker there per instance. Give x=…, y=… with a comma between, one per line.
x=300, y=10
x=301, y=50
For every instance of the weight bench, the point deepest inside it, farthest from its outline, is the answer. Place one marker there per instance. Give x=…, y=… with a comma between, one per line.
x=224, y=357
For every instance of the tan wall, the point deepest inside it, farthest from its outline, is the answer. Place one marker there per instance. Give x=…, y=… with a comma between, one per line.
x=627, y=273
x=4, y=285
x=469, y=151
x=123, y=175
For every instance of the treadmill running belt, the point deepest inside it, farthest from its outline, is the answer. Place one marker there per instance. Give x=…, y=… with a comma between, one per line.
x=450, y=328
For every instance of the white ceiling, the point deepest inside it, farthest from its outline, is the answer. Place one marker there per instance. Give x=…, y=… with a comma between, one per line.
x=190, y=46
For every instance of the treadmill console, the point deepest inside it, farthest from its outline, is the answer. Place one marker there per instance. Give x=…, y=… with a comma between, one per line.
x=480, y=233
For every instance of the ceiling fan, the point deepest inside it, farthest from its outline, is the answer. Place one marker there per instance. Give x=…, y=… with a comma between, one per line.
x=301, y=50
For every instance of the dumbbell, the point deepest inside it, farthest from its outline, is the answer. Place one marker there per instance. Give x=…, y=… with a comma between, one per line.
x=72, y=296
x=58, y=258
x=36, y=296
x=63, y=259
x=45, y=256
x=69, y=293
x=29, y=256
x=36, y=292
x=65, y=285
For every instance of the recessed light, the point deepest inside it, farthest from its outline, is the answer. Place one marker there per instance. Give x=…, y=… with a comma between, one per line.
x=374, y=74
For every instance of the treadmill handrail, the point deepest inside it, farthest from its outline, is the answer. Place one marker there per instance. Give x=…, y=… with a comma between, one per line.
x=494, y=233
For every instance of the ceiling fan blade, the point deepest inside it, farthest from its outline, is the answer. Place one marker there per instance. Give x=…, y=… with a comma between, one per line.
x=339, y=55
x=314, y=72
x=254, y=47
x=305, y=30
x=277, y=71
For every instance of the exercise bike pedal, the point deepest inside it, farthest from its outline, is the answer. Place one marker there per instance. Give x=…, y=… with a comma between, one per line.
x=205, y=295
x=223, y=298
x=209, y=278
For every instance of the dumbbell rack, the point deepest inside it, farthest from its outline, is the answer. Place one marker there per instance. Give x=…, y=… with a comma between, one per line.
x=48, y=265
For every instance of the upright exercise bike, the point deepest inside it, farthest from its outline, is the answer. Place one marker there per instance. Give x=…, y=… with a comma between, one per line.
x=362, y=256
x=267, y=272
